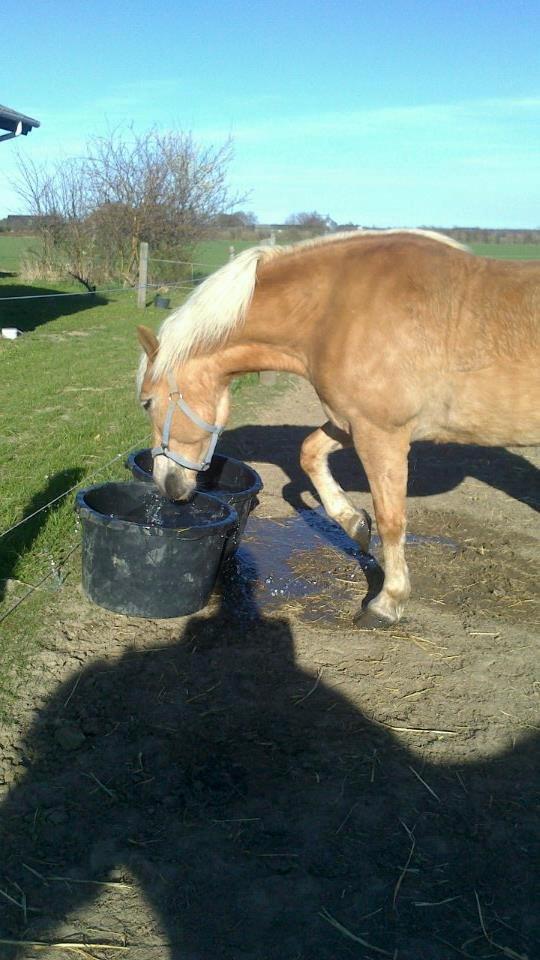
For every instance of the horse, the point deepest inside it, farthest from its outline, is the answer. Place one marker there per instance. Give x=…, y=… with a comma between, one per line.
x=404, y=334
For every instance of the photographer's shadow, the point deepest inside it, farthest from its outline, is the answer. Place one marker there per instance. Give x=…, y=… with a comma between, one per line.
x=253, y=806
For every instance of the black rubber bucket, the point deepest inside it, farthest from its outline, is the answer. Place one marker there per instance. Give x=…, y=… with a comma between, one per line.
x=147, y=557
x=231, y=480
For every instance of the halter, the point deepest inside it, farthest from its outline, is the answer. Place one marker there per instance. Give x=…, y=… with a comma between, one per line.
x=176, y=400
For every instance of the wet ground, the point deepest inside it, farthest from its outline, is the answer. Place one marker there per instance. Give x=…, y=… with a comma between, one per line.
x=308, y=565
x=264, y=781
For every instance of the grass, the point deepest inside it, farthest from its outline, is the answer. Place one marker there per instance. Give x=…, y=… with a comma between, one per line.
x=68, y=406
x=12, y=248
x=216, y=252
x=510, y=251
x=211, y=254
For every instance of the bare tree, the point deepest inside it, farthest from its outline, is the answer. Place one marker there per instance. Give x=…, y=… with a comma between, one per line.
x=163, y=188
x=59, y=197
x=313, y=221
x=240, y=219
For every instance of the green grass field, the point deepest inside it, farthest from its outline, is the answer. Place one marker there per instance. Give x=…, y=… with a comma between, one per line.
x=508, y=251
x=209, y=255
x=212, y=254
x=12, y=248
x=68, y=406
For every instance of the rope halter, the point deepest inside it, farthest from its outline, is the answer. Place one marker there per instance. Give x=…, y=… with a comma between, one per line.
x=176, y=400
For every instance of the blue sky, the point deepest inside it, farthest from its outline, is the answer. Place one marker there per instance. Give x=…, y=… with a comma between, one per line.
x=384, y=113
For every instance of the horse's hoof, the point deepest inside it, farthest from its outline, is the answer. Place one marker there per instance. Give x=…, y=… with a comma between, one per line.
x=370, y=620
x=358, y=528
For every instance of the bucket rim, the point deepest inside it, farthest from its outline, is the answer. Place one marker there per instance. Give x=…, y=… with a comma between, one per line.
x=194, y=532
x=254, y=488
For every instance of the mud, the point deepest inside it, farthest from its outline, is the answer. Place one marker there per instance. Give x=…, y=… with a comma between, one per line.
x=307, y=566
x=264, y=781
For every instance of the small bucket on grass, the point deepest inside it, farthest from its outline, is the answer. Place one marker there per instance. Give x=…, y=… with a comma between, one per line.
x=162, y=302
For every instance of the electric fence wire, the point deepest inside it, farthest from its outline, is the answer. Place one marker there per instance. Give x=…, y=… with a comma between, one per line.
x=118, y=456
x=94, y=293
x=54, y=569
x=38, y=585
x=89, y=476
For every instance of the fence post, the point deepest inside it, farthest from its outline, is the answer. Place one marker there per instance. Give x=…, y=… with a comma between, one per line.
x=232, y=252
x=143, y=274
x=267, y=378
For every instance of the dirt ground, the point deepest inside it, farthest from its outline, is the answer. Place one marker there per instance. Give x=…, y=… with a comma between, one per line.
x=263, y=780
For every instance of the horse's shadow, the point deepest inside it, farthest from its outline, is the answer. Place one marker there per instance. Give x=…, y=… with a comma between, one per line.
x=433, y=468
x=253, y=806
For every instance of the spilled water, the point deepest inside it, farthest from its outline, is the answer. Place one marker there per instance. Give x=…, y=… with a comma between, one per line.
x=305, y=564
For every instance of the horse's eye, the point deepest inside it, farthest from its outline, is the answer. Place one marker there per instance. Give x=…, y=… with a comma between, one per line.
x=146, y=404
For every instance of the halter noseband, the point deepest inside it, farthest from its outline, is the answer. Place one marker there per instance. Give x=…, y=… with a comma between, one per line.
x=176, y=400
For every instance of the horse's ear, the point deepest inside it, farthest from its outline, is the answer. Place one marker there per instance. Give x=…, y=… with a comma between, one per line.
x=148, y=341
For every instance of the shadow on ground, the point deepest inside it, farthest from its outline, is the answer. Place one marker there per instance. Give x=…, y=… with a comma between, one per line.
x=433, y=468
x=27, y=314
x=254, y=806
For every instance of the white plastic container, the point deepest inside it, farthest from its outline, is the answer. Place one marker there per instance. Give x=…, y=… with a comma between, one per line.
x=11, y=333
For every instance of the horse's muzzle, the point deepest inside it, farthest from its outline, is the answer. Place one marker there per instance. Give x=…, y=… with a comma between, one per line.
x=173, y=481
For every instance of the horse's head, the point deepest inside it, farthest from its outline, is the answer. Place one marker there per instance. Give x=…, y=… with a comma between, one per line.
x=188, y=407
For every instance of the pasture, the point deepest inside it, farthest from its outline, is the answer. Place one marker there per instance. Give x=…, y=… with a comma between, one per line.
x=330, y=792
x=209, y=255
x=12, y=248
x=214, y=253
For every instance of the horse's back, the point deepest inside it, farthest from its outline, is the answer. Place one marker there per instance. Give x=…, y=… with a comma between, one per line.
x=415, y=330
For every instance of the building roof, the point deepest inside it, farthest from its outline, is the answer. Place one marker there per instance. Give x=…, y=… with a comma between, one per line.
x=16, y=123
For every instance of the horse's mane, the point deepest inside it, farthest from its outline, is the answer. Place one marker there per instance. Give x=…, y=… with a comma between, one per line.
x=220, y=303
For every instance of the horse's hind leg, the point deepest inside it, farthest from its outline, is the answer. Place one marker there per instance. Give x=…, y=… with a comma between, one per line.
x=314, y=461
x=384, y=457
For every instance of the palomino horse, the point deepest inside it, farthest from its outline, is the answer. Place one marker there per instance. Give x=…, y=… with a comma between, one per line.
x=405, y=335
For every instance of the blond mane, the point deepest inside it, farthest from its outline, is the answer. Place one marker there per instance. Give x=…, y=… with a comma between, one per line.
x=219, y=305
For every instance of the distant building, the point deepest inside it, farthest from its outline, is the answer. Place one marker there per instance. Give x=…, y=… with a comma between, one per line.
x=16, y=124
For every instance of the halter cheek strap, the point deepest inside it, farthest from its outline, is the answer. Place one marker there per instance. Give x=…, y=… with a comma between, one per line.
x=176, y=400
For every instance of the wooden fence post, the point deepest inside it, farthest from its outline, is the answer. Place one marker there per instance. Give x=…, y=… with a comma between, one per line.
x=267, y=378
x=143, y=274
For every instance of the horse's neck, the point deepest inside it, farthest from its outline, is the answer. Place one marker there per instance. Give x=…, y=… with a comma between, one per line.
x=249, y=355
x=277, y=329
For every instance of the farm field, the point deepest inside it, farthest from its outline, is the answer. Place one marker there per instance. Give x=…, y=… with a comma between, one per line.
x=12, y=248
x=331, y=792
x=209, y=255
x=510, y=251
x=214, y=253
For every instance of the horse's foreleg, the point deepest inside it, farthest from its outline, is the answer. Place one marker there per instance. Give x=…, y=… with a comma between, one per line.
x=314, y=461
x=384, y=457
